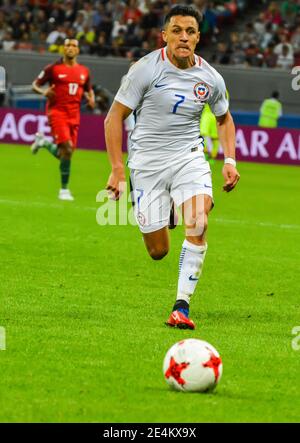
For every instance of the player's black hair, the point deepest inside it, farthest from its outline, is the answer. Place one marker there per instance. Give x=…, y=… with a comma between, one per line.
x=185, y=10
x=275, y=94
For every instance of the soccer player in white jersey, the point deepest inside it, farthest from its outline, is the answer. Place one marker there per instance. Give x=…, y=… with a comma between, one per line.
x=168, y=89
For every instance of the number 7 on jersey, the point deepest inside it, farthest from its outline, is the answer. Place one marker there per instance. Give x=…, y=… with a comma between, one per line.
x=181, y=100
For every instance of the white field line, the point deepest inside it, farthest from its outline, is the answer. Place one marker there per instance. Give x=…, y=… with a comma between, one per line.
x=91, y=208
x=256, y=223
x=45, y=205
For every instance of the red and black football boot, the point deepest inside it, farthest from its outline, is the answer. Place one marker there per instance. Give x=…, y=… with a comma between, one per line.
x=178, y=320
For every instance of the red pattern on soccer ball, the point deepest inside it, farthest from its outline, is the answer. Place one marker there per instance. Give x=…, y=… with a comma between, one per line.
x=214, y=362
x=175, y=370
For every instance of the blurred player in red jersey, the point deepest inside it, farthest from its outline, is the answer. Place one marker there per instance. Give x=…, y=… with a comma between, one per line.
x=68, y=82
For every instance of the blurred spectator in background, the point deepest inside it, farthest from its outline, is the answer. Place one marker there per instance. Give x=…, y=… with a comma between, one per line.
x=100, y=47
x=270, y=58
x=151, y=18
x=42, y=42
x=259, y=26
x=24, y=44
x=57, y=46
x=79, y=23
x=209, y=26
x=85, y=46
x=115, y=9
x=237, y=53
x=270, y=111
x=69, y=12
x=289, y=10
x=254, y=56
x=140, y=52
x=284, y=41
x=222, y=54
x=295, y=40
x=88, y=33
x=40, y=20
x=58, y=31
x=87, y=10
x=17, y=24
x=285, y=59
x=118, y=44
x=272, y=15
x=3, y=26
x=132, y=14
x=8, y=43
x=34, y=34
x=268, y=36
x=249, y=36
x=103, y=100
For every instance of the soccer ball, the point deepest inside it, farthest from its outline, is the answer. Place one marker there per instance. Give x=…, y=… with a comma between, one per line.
x=192, y=365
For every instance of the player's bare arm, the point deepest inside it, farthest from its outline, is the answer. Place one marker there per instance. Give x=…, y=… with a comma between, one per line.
x=226, y=131
x=47, y=92
x=90, y=96
x=113, y=126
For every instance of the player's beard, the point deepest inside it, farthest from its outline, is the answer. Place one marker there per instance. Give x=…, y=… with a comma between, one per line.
x=70, y=58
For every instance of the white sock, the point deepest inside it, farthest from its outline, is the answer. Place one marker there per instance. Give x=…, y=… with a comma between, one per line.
x=190, y=269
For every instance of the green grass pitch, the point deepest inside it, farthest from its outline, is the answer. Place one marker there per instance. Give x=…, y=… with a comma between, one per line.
x=84, y=307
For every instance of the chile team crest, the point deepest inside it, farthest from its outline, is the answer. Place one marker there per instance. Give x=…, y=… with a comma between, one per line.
x=201, y=91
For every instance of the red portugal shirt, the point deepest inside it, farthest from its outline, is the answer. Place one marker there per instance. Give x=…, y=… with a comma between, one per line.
x=70, y=84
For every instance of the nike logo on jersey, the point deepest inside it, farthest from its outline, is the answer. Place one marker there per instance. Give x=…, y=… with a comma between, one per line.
x=160, y=85
x=207, y=186
x=191, y=278
x=62, y=75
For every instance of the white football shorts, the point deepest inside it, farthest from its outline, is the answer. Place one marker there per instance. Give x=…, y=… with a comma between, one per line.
x=153, y=191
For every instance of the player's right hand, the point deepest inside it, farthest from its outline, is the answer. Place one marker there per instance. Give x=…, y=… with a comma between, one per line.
x=50, y=92
x=116, y=183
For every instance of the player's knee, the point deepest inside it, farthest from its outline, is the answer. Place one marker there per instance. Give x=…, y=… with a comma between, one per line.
x=66, y=151
x=157, y=253
x=196, y=225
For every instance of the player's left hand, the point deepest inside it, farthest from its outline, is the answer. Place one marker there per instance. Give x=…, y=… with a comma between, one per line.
x=91, y=102
x=231, y=177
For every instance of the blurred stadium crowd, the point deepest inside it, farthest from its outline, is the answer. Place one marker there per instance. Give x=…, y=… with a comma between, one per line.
x=131, y=28
x=103, y=27
x=271, y=40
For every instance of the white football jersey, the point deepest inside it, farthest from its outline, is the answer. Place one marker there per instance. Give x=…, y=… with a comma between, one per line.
x=168, y=102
